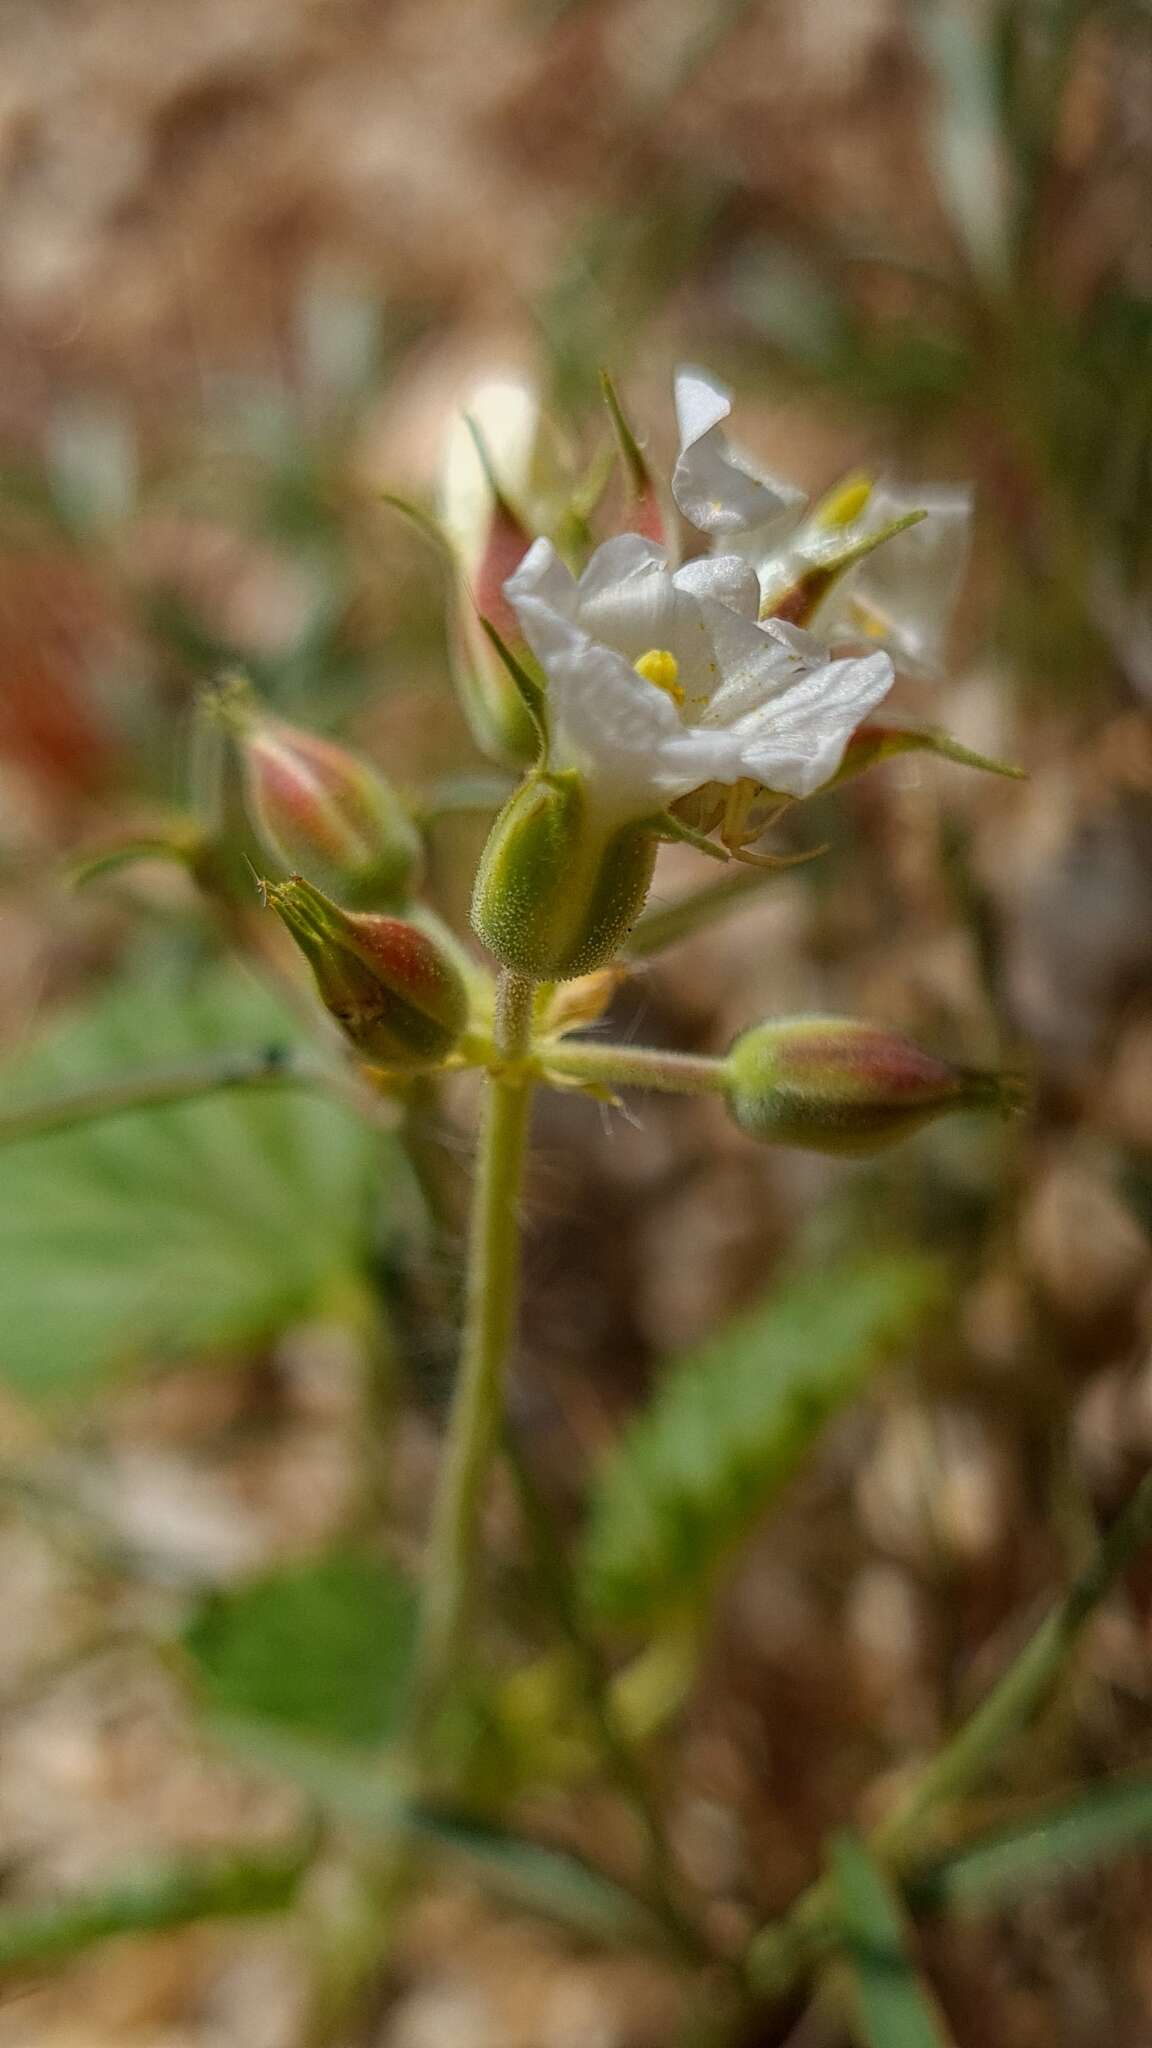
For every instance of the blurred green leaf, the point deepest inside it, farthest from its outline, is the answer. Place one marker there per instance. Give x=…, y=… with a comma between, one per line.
x=730, y=1424
x=895, y=2008
x=964, y=131
x=791, y=302
x=169, y=1229
x=545, y=1880
x=1064, y=1838
x=552, y=1882
x=616, y=270
x=92, y=466
x=1032, y=47
x=339, y=324
x=149, y=1898
x=321, y=1648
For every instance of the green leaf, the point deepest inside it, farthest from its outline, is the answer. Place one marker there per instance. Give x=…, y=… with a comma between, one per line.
x=170, y=1229
x=322, y=1648
x=530, y=690
x=964, y=132
x=1063, y=1838
x=551, y=1882
x=147, y=1899
x=895, y=2008
x=870, y=744
x=729, y=1426
x=631, y=455
x=554, y=1883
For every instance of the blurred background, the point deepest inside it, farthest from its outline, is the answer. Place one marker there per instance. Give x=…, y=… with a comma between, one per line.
x=253, y=256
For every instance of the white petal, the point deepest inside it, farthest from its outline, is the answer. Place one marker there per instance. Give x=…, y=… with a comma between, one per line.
x=629, y=601
x=702, y=403
x=727, y=579
x=750, y=668
x=902, y=596
x=617, y=560
x=797, y=742
x=713, y=488
x=606, y=720
x=541, y=587
x=807, y=647
x=638, y=611
x=694, y=755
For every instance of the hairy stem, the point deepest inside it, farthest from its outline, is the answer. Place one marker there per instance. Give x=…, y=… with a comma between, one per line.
x=491, y=1302
x=626, y=1066
x=120, y=1094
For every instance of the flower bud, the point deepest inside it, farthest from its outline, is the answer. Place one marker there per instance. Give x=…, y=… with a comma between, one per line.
x=320, y=808
x=394, y=989
x=836, y=1084
x=488, y=539
x=647, y=511
x=558, y=889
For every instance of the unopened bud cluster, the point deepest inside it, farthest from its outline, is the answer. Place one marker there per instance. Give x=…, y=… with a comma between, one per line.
x=641, y=699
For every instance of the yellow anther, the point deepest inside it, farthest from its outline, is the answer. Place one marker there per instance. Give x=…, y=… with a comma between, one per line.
x=866, y=620
x=661, y=667
x=844, y=503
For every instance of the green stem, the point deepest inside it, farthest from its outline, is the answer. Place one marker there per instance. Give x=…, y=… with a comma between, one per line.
x=626, y=1066
x=1025, y=1686
x=620, y=1758
x=782, y=1953
x=491, y=1303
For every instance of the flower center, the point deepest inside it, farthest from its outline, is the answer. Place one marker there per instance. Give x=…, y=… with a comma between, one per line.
x=660, y=666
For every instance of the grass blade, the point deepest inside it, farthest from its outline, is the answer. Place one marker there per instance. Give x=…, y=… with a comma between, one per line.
x=895, y=2008
x=1059, y=1841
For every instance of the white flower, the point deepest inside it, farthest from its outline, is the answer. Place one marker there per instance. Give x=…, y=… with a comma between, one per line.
x=659, y=683
x=902, y=595
x=898, y=596
x=716, y=490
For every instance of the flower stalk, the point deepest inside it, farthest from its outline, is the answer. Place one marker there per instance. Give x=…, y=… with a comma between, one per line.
x=610, y=1067
x=491, y=1303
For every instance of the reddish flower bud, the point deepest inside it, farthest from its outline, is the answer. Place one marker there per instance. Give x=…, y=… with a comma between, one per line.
x=487, y=466
x=835, y=1084
x=320, y=808
x=395, y=990
x=647, y=512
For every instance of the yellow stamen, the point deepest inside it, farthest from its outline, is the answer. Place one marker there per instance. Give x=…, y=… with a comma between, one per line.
x=661, y=667
x=844, y=503
x=866, y=620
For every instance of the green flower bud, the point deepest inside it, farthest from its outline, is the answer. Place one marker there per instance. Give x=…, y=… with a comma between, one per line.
x=836, y=1084
x=321, y=809
x=559, y=889
x=394, y=989
x=498, y=718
